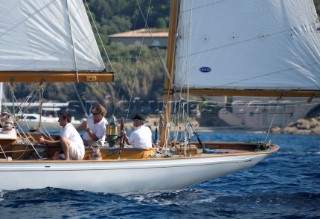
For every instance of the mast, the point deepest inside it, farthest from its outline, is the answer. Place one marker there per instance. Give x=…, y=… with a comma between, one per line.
x=168, y=82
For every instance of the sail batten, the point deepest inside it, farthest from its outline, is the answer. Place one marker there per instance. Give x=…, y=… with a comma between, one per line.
x=47, y=35
x=248, y=45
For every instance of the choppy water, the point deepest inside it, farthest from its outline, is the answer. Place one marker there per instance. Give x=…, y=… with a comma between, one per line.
x=285, y=185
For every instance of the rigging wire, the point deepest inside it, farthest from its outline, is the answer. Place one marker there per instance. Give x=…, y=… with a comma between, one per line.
x=25, y=105
x=138, y=59
x=80, y=100
x=25, y=136
x=99, y=36
x=104, y=50
x=271, y=123
x=40, y=90
x=182, y=116
x=155, y=46
x=167, y=74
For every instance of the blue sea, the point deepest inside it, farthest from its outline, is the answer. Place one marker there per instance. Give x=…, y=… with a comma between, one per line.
x=284, y=185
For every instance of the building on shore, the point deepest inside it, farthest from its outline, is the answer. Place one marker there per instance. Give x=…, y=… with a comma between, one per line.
x=150, y=37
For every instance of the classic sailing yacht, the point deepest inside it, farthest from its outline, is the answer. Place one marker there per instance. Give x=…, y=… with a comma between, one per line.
x=263, y=48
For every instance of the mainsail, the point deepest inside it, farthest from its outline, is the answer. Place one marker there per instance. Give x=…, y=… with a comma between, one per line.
x=248, y=45
x=46, y=35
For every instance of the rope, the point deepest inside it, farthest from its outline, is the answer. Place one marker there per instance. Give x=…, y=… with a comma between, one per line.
x=80, y=100
x=138, y=60
x=271, y=123
x=40, y=90
x=4, y=153
x=157, y=49
x=25, y=137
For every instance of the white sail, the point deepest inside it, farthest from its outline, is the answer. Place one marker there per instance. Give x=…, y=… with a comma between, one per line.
x=261, y=44
x=47, y=36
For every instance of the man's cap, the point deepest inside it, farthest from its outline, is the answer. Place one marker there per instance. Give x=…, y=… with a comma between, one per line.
x=139, y=117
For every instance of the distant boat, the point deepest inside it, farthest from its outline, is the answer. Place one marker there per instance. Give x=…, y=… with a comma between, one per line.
x=35, y=122
x=32, y=121
x=261, y=48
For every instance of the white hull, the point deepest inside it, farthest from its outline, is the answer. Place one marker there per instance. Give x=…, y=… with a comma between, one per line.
x=122, y=176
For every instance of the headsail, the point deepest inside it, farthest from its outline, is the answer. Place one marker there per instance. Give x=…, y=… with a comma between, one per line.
x=47, y=35
x=248, y=45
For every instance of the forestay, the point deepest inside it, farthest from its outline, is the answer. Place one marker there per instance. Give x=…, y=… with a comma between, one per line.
x=263, y=44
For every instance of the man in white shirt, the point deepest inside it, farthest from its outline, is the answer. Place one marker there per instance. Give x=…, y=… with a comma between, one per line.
x=70, y=140
x=95, y=126
x=141, y=137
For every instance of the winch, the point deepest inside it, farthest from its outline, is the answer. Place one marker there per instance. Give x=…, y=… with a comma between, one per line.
x=112, y=131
